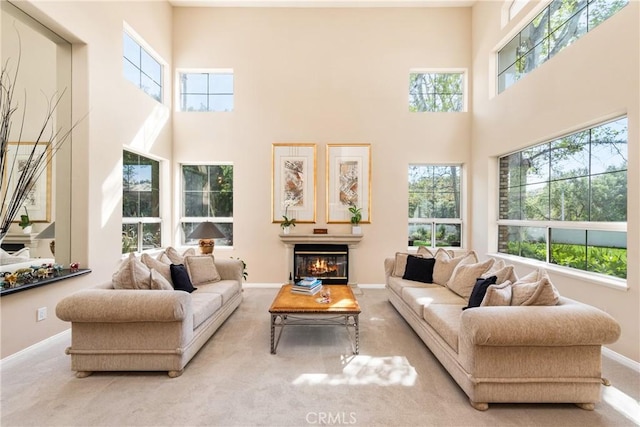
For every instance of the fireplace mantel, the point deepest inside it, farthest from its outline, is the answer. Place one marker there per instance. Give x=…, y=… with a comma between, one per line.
x=339, y=239
x=290, y=240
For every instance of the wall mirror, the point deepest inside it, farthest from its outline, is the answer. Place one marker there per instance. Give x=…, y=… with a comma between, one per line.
x=43, y=72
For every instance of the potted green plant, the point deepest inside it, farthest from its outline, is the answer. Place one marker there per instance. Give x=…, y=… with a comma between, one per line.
x=25, y=222
x=287, y=222
x=356, y=217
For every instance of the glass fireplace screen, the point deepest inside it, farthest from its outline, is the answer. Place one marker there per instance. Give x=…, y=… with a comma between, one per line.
x=326, y=262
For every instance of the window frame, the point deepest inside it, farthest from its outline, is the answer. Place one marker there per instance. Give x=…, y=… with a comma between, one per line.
x=183, y=219
x=553, y=224
x=209, y=71
x=434, y=222
x=144, y=220
x=544, y=7
x=152, y=54
x=464, y=72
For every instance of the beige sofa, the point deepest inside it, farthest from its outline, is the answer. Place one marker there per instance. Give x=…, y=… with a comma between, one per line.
x=147, y=330
x=508, y=353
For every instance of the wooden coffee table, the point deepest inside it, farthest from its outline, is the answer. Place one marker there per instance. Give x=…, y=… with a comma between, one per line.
x=296, y=310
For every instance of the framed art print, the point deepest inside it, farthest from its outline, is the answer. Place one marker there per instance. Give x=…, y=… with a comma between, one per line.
x=38, y=201
x=348, y=181
x=293, y=182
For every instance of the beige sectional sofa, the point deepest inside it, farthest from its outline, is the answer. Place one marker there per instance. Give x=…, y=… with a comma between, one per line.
x=150, y=329
x=507, y=353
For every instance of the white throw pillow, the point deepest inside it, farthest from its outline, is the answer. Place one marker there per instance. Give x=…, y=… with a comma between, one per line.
x=159, y=282
x=159, y=266
x=502, y=271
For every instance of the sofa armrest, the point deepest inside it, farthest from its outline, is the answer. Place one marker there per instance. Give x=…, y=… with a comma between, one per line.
x=568, y=323
x=389, y=266
x=124, y=305
x=229, y=269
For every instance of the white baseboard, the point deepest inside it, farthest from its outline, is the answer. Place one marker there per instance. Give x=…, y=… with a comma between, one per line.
x=32, y=347
x=623, y=360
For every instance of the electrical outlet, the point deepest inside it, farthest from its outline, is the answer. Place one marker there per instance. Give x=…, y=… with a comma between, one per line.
x=41, y=314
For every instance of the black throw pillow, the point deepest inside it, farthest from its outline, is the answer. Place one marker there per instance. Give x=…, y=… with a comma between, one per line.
x=479, y=291
x=419, y=269
x=180, y=278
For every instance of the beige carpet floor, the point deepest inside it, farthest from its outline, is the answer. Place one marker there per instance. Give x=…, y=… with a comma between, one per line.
x=313, y=380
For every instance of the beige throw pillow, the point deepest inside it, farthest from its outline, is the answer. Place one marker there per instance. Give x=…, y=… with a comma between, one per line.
x=177, y=258
x=502, y=271
x=445, y=264
x=159, y=282
x=201, y=269
x=159, y=266
x=401, y=263
x=464, y=276
x=425, y=252
x=535, y=289
x=497, y=295
x=132, y=274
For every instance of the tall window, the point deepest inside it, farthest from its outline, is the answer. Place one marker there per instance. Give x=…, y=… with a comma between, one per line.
x=556, y=27
x=211, y=91
x=434, y=205
x=207, y=195
x=565, y=201
x=436, y=92
x=141, y=223
x=142, y=69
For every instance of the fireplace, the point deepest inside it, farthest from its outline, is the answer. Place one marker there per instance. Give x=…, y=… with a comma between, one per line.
x=328, y=262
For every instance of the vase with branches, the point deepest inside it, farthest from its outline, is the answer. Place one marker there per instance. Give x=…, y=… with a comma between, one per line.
x=19, y=177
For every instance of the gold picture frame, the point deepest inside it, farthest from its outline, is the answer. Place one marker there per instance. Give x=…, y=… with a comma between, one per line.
x=293, y=182
x=38, y=202
x=348, y=175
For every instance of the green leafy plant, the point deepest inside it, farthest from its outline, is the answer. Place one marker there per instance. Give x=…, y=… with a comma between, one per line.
x=287, y=222
x=24, y=219
x=356, y=214
x=244, y=268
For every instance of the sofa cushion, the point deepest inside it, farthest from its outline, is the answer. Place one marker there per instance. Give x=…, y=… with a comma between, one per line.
x=400, y=264
x=497, y=295
x=204, y=306
x=180, y=278
x=480, y=290
x=534, y=289
x=132, y=274
x=202, y=269
x=227, y=288
x=160, y=266
x=445, y=320
x=502, y=271
x=159, y=282
x=417, y=298
x=464, y=276
x=419, y=269
x=446, y=263
x=397, y=284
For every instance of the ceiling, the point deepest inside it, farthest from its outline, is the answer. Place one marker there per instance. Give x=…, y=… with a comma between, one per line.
x=322, y=3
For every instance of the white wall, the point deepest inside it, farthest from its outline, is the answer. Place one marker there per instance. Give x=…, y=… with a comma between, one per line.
x=119, y=115
x=592, y=80
x=320, y=76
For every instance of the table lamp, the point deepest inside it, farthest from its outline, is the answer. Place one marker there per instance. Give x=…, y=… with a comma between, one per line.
x=49, y=233
x=206, y=232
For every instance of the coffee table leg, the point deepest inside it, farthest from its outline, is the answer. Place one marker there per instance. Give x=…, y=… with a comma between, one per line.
x=356, y=324
x=273, y=332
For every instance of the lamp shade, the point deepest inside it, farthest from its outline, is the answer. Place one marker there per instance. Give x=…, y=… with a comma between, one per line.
x=206, y=230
